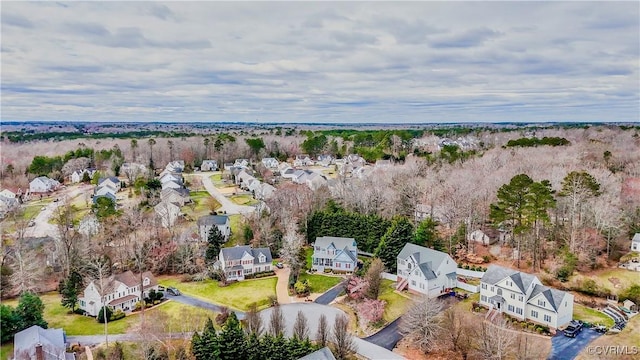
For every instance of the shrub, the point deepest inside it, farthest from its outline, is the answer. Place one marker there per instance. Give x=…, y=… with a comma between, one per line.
x=119, y=314
x=101, y=314
x=79, y=311
x=327, y=271
x=486, y=258
x=466, y=267
x=302, y=287
x=564, y=273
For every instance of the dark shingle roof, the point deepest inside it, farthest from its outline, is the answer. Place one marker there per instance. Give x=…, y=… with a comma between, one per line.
x=496, y=273
x=428, y=259
x=236, y=253
x=553, y=296
x=113, y=179
x=213, y=220
x=322, y=354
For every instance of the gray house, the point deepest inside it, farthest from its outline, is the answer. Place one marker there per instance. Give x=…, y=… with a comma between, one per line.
x=42, y=344
x=335, y=253
x=239, y=261
x=205, y=224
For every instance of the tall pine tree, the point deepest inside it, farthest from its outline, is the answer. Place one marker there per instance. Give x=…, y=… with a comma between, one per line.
x=232, y=342
x=399, y=234
x=215, y=240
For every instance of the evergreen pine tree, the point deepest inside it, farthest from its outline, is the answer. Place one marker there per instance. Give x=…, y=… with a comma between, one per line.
x=215, y=240
x=232, y=343
x=399, y=234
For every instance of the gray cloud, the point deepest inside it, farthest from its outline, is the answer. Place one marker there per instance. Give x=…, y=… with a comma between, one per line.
x=339, y=62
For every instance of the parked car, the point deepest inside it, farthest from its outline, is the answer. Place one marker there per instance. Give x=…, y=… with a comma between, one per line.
x=601, y=329
x=173, y=291
x=31, y=223
x=279, y=265
x=572, y=331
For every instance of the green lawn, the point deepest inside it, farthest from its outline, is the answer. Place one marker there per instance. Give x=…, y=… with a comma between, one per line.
x=308, y=254
x=218, y=182
x=175, y=316
x=243, y=199
x=6, y=350
x=238, y=295
x=396, y=303
x=200, y=205
x=320, y=283
x=236, y=222
x=593, y=316
x=626, y=278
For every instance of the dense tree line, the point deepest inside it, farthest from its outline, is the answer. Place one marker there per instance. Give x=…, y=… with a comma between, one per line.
x=18, y=136
x=532, y=142
x=232, y=342
x=45, y=165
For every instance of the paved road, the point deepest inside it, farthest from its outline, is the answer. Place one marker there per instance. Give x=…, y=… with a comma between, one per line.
x=227, y=205
x=42, y=227
x=331, y=294
x=189, y=300
x=313, y=311
x=388, y=337
x=566, y=348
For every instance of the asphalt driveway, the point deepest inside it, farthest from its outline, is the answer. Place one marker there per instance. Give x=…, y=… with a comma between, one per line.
x=331, y=294
x=566, y=348
x=388, y=337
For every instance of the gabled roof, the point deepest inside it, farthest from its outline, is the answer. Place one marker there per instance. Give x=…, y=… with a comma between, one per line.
x=128, y=278
x=636, y=238
x=212, y=220
x=322, y=354
x=113, y=179
x=346, y=255
x=553, y=296
x=237, y=252
x=496, y=273
x=52, y=341
x=428, y=259
x=339, y=242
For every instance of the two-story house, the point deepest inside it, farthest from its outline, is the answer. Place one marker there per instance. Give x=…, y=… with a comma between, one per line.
x=523, y=296
x=270, y=163
x=425, y=271
x=209, y=165
x=41, y=344
x=78, y=175
x=120, y=292
x=239, y=261
x=43, y=184
x=335, y=253
x=112, y=181
x=205, y=223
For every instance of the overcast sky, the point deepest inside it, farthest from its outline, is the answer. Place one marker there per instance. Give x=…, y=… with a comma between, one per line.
x=321, y=62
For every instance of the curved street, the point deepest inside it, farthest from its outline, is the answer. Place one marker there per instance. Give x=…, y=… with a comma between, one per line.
x=226, y=205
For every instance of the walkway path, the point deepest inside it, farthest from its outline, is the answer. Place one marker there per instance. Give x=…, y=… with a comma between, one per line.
x=227, y=205
x=282, y=287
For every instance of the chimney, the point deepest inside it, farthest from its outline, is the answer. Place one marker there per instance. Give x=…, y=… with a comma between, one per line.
x=39, y=352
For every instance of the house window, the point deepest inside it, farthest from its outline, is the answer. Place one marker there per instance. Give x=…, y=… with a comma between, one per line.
x=509, y=283
x=348, y=266
x=421, y=286
x=547, y=318
x=520, y=298
x=513, y=296
x=511, y=308
x=519, y=311
x=484, y=286
x=413, y=283
x=499, y=291
x=247, y=271
x=542, y=303
x=338, y=265
x=534, y=314
x=483, y=298
x=492, y=289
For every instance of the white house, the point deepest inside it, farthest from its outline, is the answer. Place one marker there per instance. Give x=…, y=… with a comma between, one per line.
x=270, y=163
x=77, y=175
x=241, y=163
x=635, y=243
x=111, y=180
x=121, y=292
x=205, y=224
x=172, y=184
x=325, y=160
x=133, y=170
x=176, y=166
x=426, y=271
x=265, y=191
x=209, y=165
x=334, y=253
x=38, y=343
x=239, y=261
x=6, y=193
x=302, y=160
x=243, y=179
x=484, y=236
x=355, y=160
x=104, y=189
x=43, y=184
x=167, y=212
x=523, y=296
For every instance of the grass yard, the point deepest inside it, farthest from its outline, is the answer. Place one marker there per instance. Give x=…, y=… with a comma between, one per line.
x=629, y=336
x=593, y=316
x=74, y=324
x=625, y=277
x=238, y=295
x=396, y=303
x=6, y=351
x=308, y=255
x=236, y=222
x=320, y=283
x=468, y=302
x=243, y=199
x=201, y=204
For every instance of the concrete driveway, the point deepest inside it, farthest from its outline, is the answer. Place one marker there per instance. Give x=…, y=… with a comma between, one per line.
x=227, y=205
x=566, y=348
x=313, y=311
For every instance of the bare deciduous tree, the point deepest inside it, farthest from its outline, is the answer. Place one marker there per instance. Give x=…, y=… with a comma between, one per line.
x=342, y=338
x=374, y=278
x=423, y=323
x=494, y=340
x=276, y=322
x=322, y=334
x=301, y=327
x=253, y=321
x=457, y=331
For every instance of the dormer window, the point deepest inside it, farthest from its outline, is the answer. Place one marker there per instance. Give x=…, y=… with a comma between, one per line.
x=146, y=281
x=262, y=258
